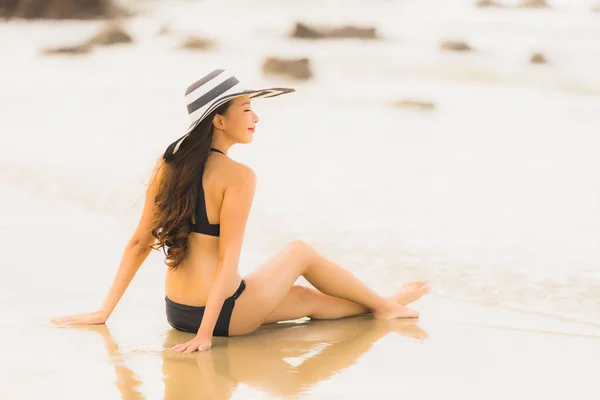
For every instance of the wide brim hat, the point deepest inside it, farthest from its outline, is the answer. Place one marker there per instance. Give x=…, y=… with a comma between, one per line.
x=211, y=91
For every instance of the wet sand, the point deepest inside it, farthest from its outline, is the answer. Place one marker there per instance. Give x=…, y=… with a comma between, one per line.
x=58, y=260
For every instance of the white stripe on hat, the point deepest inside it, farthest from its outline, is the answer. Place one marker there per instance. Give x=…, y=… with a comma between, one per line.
x=264, y=94
x=207, y=87
x=200, y=112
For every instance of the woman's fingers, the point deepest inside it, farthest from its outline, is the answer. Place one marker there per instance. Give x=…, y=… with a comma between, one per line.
x=181, y=347
x=81, y=319
x=191, y=346
x=195, y=345
x=76, y=320
x=178, y=347
x=66, y=320
x=203, y=346
x=62, y=319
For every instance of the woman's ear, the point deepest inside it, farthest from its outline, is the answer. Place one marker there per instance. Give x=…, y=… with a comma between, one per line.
x=219, y=122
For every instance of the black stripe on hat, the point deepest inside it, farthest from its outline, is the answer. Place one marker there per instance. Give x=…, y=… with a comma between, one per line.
x=202, y=81
x=212, y=94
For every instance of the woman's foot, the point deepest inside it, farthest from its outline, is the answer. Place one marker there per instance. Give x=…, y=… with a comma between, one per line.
x=412, y=291
x=395, y=310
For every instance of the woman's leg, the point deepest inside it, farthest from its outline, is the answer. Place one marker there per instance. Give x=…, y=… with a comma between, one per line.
x=268, y=287
x=302, y=302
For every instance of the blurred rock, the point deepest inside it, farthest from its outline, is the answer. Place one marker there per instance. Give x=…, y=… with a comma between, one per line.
x=412, y=103
x=455, y=46
x=303, y=31
x=295, y=68
x=77, y=49
x=534, y=4
x=488, y=4
x=353, y=32
x=164, y=30
x=197, y=43
x=112, y=33
x=60, y=9
x=538, y=58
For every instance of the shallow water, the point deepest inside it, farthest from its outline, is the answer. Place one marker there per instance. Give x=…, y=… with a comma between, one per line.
x=493, y=196
x=61, y=260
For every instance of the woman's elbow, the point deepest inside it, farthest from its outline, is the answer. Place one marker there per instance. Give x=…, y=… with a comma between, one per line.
x=140, y=245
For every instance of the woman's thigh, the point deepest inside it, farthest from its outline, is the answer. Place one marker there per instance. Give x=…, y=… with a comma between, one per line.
x=267, y=287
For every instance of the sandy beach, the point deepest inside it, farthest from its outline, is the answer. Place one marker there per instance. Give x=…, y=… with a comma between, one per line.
x=490, y=193
x=455, y=350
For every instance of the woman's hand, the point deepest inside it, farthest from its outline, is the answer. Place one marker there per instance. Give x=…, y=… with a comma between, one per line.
x=97, y=317
x=200, y=343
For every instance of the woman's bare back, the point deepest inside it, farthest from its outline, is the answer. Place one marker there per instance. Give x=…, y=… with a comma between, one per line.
x=191, y=283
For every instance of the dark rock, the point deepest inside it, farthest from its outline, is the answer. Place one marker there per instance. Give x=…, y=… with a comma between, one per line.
x=196, y=43
x=353, y=32
x=110, y=34
x=455, y=46
x=534, y=4
x=413, y=103
x=295, y=68
x=303, y=31
x=60, y=9
x=538, y=58
x=488, y=4
x=77, y=49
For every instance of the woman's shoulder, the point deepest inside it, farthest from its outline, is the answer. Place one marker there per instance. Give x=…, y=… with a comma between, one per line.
x=230, y=173
x=237, y=173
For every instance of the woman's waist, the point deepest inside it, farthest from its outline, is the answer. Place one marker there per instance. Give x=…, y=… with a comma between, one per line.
x=194, y=289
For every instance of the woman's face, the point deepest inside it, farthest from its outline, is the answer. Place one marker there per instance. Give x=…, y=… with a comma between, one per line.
x=239, y=121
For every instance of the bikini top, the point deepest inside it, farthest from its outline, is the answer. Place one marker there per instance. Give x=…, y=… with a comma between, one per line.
x=201, y=217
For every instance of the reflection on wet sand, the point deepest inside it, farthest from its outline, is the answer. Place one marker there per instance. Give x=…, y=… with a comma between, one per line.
x=127, y=383
x=284, y=359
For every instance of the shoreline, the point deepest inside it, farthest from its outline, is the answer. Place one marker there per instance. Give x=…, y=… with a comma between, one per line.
x=81, y=218
x=456, y=347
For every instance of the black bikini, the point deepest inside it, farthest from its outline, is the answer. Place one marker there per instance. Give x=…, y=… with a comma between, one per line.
x=202, y=225
x=188, y=318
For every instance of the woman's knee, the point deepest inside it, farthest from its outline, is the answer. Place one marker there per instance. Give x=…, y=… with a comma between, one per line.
x=302, y=293
x=302, y=249
x=306, y=297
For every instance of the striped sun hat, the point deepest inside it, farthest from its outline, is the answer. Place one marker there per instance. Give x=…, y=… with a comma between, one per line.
x=211, y=91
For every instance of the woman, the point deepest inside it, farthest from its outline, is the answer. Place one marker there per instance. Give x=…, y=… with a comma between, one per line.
x=196, y=208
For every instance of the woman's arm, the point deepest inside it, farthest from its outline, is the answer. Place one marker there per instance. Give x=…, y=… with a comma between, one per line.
x=135, y=253
x=237, y=201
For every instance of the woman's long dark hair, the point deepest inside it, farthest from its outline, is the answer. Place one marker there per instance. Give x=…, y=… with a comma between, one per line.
x=175, y=202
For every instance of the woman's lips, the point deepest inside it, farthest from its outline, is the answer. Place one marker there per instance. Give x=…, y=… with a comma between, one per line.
x=251, y=130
